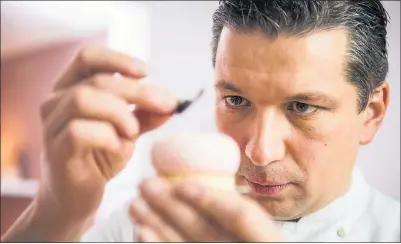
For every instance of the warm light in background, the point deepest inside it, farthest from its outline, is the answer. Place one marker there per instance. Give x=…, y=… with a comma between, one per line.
x=9, y=153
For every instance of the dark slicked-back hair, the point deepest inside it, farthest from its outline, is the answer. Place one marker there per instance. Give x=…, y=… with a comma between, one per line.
x=364, y=20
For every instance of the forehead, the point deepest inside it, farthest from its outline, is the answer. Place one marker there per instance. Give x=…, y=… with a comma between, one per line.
x=291, y=61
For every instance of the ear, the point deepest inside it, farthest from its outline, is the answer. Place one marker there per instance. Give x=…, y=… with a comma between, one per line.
x=375, y=112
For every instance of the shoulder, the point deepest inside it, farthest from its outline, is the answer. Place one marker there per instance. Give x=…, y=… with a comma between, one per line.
x=117, y=227
x=383, y=205
x=383, y=214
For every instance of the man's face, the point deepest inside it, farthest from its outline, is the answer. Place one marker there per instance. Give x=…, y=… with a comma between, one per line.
x=288, y=105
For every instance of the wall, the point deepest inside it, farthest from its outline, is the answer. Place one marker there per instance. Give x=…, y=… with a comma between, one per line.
x=380, y=160
x=25, y=82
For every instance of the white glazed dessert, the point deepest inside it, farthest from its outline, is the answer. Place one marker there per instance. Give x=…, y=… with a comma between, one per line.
x=210, y=159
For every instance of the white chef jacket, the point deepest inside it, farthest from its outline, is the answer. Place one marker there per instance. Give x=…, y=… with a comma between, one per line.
x=363, y=214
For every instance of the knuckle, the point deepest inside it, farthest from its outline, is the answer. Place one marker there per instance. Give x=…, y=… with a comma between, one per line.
x=73, y=133
x=99, y=80
x=116, y=103
x=73, y=129
x=85, y=54
x=116, y=106
x=49, y=104
x=43, y=109
x=80, y=98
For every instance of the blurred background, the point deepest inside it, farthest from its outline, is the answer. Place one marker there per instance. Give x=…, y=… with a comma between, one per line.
x=39, y=38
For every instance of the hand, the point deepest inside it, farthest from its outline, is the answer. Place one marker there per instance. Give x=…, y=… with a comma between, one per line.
x=192, y=213
x=89, y=132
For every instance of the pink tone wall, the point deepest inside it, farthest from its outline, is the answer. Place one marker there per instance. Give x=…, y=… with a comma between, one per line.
x=25, y=82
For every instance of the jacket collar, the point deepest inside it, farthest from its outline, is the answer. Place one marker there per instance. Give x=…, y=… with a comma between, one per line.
x=343, y=211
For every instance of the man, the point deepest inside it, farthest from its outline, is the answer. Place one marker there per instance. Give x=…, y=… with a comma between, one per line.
x=299, y=86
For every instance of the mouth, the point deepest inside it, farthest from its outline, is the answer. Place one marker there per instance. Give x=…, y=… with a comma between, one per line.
x=267, y=188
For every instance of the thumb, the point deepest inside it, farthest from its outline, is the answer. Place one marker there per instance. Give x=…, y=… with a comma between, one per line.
x=149, y=121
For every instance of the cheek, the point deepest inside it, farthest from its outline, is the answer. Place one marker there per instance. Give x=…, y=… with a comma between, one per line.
x=315, y=147
x=311, y=142
x=329, y=129
x=324, y=150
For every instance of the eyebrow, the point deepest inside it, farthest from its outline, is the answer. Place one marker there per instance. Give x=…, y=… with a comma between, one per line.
x=226, y=85
x=313, y=96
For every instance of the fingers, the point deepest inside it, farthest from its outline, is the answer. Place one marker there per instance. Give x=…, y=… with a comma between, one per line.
x=193, y=226
x=154, y=105
x=82, y=136
x=146, y=217
x=150, y=121
x=90, y=103
x=147, y=234
x=91, y=96
x=145, y=96
x=237, y=214
x=94, y=59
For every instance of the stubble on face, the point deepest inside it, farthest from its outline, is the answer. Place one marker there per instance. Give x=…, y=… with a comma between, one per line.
x=316, y=153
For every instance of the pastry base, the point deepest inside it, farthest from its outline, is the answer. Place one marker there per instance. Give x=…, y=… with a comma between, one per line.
x=218, y=181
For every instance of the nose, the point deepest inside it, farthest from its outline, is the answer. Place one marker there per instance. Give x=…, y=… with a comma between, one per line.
x=266, y=145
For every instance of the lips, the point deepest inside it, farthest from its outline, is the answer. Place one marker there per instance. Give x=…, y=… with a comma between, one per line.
x=267, y=188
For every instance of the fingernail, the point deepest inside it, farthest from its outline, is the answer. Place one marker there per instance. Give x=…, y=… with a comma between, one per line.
x=131, y=107
x=191, y=191
x=154, y=187
x=244, y=189
x=140, y=206
x=167, y=100
x=117, y=76
x=139, y=238
x=170, y=102
x=140, y=67
x=138, y=234
x=147, y=235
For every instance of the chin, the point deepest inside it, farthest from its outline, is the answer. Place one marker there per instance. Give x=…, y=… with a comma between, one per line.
x=282, y=210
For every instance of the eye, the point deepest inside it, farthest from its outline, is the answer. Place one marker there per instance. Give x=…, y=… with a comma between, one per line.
x=302, y=108
x=236, y=101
